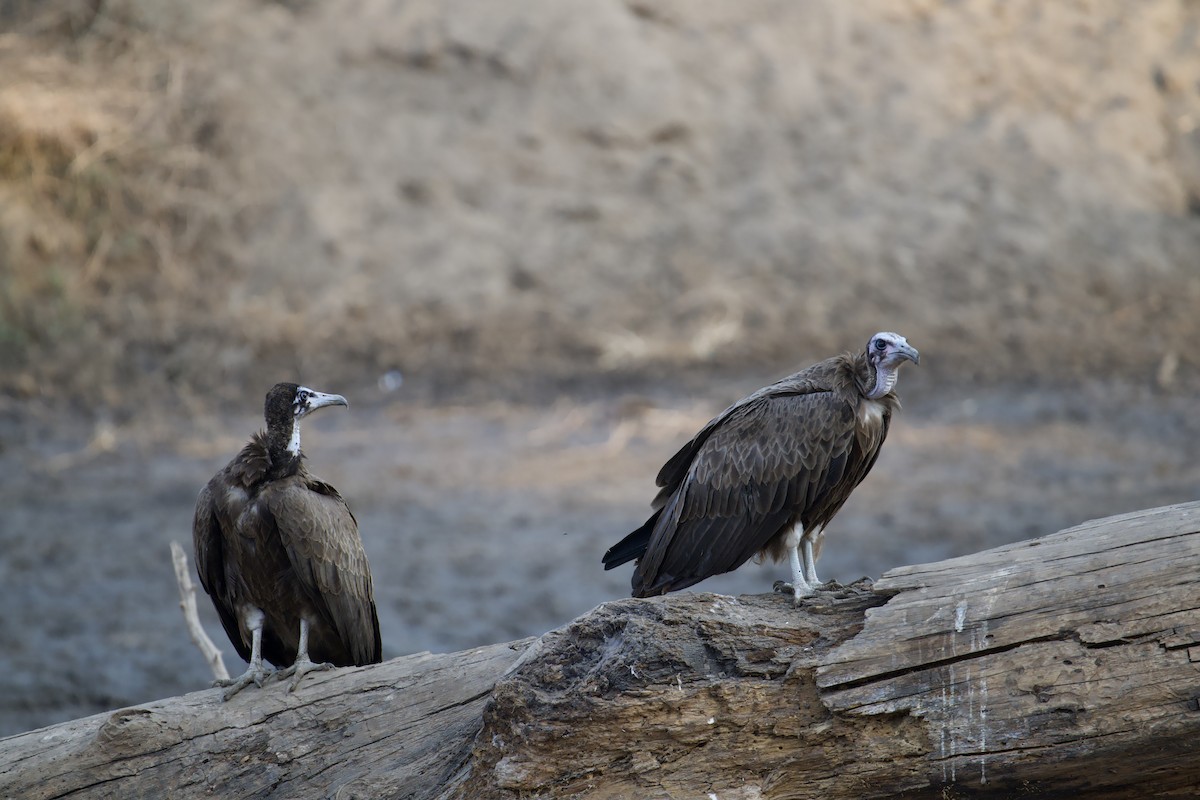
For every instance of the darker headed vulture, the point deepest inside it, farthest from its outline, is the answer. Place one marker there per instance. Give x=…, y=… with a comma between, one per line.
x=279, y=553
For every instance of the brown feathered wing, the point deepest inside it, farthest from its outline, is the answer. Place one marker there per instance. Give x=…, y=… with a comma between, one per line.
x=744, y=478
x=210, y=565
x=321, y=537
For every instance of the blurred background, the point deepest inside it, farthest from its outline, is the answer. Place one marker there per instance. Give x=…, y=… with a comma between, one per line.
x=538, y=244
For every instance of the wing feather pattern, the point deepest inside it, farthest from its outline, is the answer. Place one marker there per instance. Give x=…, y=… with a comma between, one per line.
x=742, y=479
x=321, y=538
x=210, y=565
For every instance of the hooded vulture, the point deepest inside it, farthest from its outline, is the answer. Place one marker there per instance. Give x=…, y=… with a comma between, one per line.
x=768, y=474
x=278, y=551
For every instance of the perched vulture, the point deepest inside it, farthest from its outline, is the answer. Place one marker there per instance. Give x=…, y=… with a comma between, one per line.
x=279, y=553
x=768, y=474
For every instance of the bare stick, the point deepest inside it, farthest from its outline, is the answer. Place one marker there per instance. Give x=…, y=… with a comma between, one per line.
x=187, y=602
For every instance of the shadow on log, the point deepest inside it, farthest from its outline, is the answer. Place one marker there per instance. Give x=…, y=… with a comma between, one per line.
x=1057, y=667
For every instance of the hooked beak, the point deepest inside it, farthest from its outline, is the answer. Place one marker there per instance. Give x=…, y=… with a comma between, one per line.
x=908, y=351
x=320, y=400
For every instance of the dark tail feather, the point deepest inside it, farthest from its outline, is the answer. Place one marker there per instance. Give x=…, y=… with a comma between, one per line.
x=632, y=546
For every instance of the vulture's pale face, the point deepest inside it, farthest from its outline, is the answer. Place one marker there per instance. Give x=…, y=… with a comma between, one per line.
x=308, y=400
x=304, y=401
x=888, y=350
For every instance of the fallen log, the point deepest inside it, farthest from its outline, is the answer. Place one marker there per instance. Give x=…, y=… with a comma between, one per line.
x=399, y=729
x=1064, y=666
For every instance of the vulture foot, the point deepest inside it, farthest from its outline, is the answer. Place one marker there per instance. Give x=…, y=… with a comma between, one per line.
x=256, y=674
x=783, y=587
x=302, y=667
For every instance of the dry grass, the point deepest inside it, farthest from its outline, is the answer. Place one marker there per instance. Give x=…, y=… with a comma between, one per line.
x=203, y=194
x=112, y=219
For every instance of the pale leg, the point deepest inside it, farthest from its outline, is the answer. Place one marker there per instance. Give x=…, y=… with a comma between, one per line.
x=256, y=673
x=799, y=587
x=810, y=560
x=303, y=664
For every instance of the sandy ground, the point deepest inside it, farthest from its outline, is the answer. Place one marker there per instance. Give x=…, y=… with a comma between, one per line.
x=486, y=521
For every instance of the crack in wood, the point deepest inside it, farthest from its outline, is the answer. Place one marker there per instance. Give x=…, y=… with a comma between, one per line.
x=928, y=666
x=1120, y=641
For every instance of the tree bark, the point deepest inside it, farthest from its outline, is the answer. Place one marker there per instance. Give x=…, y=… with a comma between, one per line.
x=1057, y=667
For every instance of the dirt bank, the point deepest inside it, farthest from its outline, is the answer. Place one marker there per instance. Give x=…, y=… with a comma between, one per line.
x=193, y=193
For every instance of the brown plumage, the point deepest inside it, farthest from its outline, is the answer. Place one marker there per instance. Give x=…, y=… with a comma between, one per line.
x=279, y=553
x=768, y=474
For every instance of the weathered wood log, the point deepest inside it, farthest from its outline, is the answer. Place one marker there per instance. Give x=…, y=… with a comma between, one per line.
x=399, y=729
x=1051, y=667
x=1059, y=667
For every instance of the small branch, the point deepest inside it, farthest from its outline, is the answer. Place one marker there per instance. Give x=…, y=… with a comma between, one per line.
x=187, y=603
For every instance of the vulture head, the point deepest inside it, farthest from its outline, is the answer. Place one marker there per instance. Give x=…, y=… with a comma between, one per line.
x=885, y=353
x=288, y=403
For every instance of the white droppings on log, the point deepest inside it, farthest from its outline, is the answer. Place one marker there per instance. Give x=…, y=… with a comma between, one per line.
x=960, y=615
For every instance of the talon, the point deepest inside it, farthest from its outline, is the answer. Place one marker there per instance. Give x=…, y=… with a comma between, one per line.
x=301, y=668
x=256, y=675
x=783, y=587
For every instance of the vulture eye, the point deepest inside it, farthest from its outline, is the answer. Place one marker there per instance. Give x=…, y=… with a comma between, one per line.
x=880, y=345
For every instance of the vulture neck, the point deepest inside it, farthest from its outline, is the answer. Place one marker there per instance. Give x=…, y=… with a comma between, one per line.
x=283, y=448
x=875, y=384
x=885, y=381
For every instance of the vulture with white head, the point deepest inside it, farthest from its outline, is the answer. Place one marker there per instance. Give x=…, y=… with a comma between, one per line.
x=768, y=474
x=278, y=551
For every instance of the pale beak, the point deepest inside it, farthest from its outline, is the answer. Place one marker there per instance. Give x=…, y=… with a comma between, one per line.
x=321, y=400
x=908, y=351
